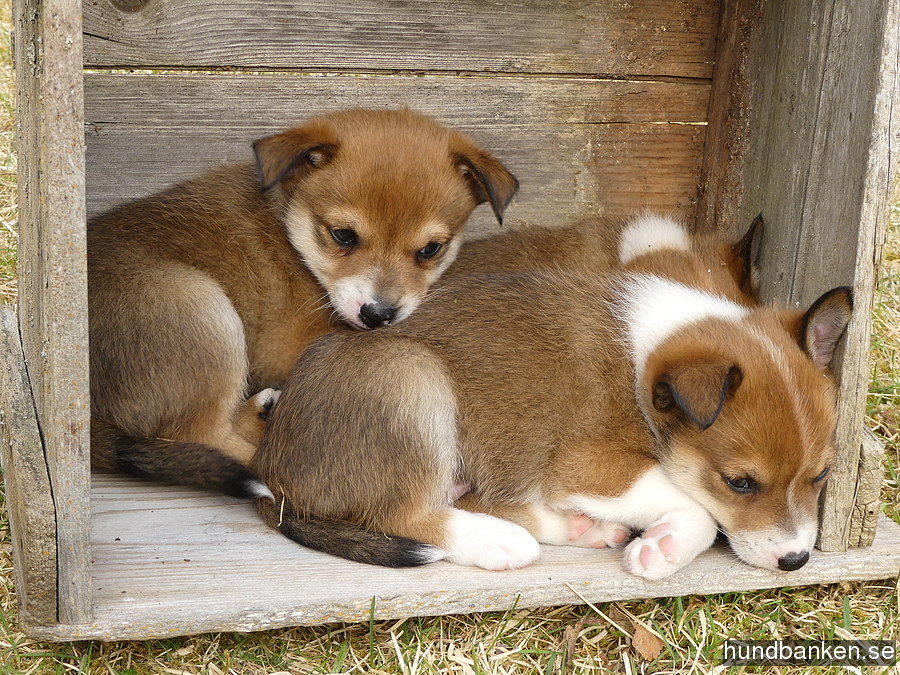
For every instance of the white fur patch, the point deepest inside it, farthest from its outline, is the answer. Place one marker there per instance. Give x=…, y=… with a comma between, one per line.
x=650, y=232
x=259, y=490
x=653, y=495
x=301, y=233
x=653, y=309
x=480, y=540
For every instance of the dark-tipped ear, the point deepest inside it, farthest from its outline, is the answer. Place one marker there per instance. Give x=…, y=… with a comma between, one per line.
x=305, y=147
x=824, y=323
x=698, y=389
x=745, y=259
x=488, y=179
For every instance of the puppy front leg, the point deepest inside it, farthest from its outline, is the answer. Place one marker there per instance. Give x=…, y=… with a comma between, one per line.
x=670, y=543
x=676, y=528
x=574, y=529
x=550, y=526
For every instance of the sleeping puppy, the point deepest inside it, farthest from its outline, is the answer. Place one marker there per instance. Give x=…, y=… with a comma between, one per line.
x=212, y=288
x=654, y=395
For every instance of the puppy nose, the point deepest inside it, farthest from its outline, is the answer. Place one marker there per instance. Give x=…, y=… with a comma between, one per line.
x=793, y=561
x=377, y=314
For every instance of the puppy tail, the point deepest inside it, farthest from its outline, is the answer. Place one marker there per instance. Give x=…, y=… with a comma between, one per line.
x=173, y=462
x=346, y=540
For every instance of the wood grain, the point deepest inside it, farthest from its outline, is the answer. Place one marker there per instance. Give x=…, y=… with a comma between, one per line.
x=867, y=505
x=28, y=498
x=169, y=561
x=52, y=270
x=652, y=38
x=578, y=147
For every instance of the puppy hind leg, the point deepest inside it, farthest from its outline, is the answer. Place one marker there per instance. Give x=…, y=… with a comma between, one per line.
x=552, y=526
x=197, y=376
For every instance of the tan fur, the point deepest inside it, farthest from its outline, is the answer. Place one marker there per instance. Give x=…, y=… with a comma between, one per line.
x=548, y=416
x=211, y=289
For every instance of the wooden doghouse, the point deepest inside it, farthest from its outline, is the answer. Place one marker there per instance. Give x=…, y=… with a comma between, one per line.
x=714, y=109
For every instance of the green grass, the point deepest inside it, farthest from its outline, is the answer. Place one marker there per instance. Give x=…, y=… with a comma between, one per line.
x=688, y=632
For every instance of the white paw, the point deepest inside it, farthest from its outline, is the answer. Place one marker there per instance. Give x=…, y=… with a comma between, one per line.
x=669, y=544
x=264, y=401
x=584, y=531
x=480, y=540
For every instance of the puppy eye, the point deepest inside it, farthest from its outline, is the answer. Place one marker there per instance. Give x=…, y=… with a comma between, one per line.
x=430, y=250
x=345, y=237
x=822, y=476
x=743, y=485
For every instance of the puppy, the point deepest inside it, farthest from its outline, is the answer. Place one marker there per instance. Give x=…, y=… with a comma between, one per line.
x=655, y=395
x=211, y=289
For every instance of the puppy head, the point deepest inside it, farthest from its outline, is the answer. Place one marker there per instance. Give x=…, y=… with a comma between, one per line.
x=746, y=414
x=375, y=202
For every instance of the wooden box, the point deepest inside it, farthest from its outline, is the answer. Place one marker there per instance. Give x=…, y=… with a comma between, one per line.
x=716, y=110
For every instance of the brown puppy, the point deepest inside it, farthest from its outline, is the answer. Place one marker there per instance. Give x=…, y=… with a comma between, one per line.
x=654, y=395
x=211, y=289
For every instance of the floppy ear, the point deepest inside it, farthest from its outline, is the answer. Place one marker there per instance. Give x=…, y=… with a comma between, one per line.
x=301, y=148
x=824, y=323
x=744, y=262
x=697, y=388
x=488, y=179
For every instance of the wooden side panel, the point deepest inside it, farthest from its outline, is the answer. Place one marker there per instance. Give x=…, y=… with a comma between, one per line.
x=816, y=154
x=638, y=39
x=29, y=502
x=579, y=147
x=52, y=263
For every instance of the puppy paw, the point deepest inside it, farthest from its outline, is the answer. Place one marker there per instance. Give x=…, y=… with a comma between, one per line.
x=480, y=540
x=264, y=401
x=667, y=546
x=252, y=415
x=585, y=531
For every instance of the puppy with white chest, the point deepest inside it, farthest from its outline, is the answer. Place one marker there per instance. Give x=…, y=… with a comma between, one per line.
x=211, y=289
x=653, y=394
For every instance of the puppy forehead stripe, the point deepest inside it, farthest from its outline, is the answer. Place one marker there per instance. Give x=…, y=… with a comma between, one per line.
x=649, y=233
x=655, y=308
x=796, y=395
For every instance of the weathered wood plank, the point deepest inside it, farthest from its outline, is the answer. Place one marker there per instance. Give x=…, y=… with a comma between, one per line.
x=652, y=38
x=29, y=504
x=579, y=147
x=169, y=561
x=52, y=270
x=867, y=506
x=814, y=149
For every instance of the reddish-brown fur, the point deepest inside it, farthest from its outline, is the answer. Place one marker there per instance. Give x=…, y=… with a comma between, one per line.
x=212, y=288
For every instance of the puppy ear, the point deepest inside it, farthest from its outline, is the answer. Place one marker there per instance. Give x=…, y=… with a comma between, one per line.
x=698, y=389
x=301, y=148
x=744, y=259
x=488, y=179
x=824, y=323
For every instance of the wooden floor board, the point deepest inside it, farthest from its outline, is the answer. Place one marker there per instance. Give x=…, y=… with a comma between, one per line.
x=170, y=561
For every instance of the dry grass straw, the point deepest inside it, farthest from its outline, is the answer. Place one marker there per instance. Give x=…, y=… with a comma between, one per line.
x=669, y=635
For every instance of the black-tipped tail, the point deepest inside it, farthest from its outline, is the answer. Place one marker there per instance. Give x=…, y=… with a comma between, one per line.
x=346, y=540
x=174, y=462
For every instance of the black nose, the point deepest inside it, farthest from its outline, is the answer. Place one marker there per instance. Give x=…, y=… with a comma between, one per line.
x=376, y=314
x=793, y=561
